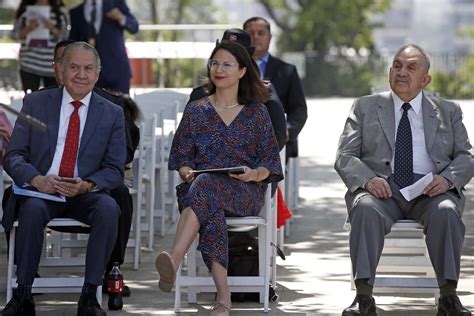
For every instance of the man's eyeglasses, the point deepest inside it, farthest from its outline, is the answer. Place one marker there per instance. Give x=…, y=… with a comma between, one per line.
x=225, y=66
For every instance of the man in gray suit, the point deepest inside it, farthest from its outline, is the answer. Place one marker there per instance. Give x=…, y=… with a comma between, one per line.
x=81, y=157
x=375, y=164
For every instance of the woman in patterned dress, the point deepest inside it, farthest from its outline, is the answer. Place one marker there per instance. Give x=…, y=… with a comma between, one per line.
x=228, y=128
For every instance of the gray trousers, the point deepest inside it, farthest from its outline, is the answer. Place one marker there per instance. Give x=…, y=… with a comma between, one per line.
x=98, y=210
x=372, y=218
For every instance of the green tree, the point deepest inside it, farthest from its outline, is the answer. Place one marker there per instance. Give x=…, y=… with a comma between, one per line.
x=324, y=30
x=458, y=84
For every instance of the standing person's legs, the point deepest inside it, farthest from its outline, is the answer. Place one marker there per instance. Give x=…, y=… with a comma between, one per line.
x=29, y=81
x=49, y=81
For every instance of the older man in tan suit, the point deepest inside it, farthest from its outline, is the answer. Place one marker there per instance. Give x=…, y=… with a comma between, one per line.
x=389, y=141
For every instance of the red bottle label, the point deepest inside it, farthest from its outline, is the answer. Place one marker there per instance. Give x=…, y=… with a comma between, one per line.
x=115, y=286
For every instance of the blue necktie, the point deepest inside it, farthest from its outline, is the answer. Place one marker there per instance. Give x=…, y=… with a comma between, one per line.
x=403, y=170
x=260, y=64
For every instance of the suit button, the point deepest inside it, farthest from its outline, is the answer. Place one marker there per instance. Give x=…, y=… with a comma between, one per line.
x=387, y=163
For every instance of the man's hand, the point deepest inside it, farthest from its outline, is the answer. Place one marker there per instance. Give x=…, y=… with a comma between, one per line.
x=71, y=189
x=115, y=14
x=45, y=184
x=438, y=186
x=379, y=188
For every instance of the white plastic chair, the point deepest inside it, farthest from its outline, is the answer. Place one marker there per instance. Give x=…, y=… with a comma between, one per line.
x=405, y=266
x=196, y=284
x=148, y=179
x=48, y=284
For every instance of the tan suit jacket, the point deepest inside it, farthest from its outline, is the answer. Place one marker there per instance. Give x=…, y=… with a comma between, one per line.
x=368, y=141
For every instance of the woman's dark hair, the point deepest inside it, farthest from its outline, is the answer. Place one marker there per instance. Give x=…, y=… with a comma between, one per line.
x=250, y=87
x=54, y=4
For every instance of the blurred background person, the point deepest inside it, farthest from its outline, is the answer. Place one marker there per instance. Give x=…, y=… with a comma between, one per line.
x=38, y=30
x=228, y=128
x=101, y=23
x=283, y=76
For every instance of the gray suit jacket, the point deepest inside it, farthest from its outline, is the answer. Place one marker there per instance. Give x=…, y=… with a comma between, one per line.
x=101, y=154
x=368, y=140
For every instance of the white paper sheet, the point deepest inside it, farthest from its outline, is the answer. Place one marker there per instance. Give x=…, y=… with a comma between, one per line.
x=27, y=191
x=40, y=35
x=416, y=189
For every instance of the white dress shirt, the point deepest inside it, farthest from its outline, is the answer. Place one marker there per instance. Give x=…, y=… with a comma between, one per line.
x=98, y=13
x=422, y=162
x=66, y=110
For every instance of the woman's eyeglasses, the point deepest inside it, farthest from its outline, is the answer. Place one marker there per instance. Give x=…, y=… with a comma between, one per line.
x=225, y=66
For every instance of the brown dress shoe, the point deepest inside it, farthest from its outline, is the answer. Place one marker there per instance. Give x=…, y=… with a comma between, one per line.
x=362, y=305
x=451, y=306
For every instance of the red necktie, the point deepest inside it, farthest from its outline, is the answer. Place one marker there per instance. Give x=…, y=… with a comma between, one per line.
x=68, y=161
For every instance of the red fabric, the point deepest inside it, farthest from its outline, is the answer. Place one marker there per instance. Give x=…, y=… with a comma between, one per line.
x=68, y=160
x=283, y=212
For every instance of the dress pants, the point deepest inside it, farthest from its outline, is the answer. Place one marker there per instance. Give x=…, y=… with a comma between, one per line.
x=372, y=218
x=32, y=81
x=124, y=200
x=96, y=209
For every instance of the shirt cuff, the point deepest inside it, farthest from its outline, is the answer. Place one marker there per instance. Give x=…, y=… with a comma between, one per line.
x=123, y=21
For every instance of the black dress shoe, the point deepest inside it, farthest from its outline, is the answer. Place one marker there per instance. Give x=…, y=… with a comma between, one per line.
x=126, y=291
x=88, y=306
x=451, y=306
x=15, y=307
x=362, y=305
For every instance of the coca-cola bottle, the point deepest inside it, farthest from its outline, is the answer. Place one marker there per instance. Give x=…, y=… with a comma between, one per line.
x=115, y=288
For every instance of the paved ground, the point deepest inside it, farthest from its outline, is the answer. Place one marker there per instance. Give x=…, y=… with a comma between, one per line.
x=314, y=280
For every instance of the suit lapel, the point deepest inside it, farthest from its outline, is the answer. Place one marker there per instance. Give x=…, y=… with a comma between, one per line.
x=430, y=121
x=94, y=114
x=53, y=110
x=386, y=115
x=270, y=69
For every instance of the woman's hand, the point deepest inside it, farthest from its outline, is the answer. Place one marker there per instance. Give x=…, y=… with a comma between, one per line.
x=186, y=173
x=52, y=28
x=28, y=29
x=255, y=175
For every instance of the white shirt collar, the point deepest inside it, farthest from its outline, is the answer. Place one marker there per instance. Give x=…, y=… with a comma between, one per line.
x=67, y=99
x=415, y=102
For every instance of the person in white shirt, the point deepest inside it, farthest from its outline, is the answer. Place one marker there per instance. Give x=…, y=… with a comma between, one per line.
x=389, y=141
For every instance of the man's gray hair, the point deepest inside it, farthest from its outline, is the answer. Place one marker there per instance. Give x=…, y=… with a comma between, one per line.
x=80, y=45
x=418, y=48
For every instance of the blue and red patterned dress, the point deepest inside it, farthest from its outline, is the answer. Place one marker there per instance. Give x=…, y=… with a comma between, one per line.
x=204, y=141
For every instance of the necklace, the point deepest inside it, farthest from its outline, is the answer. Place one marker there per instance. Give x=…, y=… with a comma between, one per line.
x=225, y=107
x=230, y=106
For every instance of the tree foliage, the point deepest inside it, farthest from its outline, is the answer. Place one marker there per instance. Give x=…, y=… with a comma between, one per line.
x=323, y=30
x=458, y=84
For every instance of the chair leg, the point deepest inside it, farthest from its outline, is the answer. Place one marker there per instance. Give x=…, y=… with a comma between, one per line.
x=177, y=290
x=11, y=259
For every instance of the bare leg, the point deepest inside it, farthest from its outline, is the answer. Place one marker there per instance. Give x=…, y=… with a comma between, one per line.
x=219, y=274
x=167, y=263
x=186, y=232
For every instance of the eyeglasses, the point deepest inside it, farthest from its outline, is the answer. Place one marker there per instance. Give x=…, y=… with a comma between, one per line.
x=226, y=65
